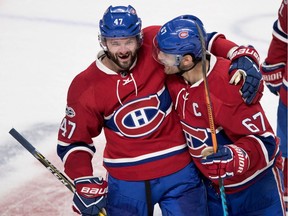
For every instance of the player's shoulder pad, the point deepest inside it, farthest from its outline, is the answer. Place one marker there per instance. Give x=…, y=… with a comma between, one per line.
x=150, y=30
x=211, y=37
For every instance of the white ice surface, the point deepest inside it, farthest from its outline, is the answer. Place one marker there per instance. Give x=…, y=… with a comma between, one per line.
x=44, y=44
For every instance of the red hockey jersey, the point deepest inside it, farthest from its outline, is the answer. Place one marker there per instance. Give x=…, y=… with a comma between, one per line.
x=143, y=134
x=235, y=122
x=277, y=53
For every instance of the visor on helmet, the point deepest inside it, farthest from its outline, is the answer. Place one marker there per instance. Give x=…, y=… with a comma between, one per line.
x=163, y=58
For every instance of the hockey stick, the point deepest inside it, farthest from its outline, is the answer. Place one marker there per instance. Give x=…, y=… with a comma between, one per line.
x=211, y=117
x=61, y=177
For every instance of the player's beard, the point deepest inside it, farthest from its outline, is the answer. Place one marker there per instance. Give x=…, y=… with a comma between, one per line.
x=126, y=64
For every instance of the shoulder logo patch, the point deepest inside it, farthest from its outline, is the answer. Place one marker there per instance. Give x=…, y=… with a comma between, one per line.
x=70, y=112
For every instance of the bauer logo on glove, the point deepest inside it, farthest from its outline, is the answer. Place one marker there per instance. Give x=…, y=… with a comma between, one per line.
x=90, y=195
x=245, y=66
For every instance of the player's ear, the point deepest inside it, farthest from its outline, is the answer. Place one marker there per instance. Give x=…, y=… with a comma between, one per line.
x=187, y=60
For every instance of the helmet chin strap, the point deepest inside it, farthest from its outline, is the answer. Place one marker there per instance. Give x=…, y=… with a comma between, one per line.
x=182, y=71
x=196, y=61
x=108, y=54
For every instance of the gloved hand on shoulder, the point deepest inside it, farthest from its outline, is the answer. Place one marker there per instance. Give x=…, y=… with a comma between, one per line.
x=245, y=65
x=90, y=196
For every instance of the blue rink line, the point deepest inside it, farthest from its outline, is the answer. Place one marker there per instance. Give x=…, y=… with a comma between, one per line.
x=48, y=20
x=35, y=134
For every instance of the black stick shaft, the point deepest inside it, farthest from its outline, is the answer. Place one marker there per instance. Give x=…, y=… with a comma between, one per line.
x=46, y=163
x=61, y=177
x=211, y=116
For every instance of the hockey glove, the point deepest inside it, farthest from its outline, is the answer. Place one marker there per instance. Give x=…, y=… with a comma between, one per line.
x=230, y=160
x=90, y=195
x=245, y=64
x=273, y=76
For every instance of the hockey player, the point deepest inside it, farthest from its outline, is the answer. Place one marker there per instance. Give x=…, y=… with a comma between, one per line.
x=248, y=157
x=123, y=92
x=274, y=71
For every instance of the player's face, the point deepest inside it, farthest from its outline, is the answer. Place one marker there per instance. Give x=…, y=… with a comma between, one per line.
x=169, y=61
x=122, y=51
x=171, y=69
x=166, y=59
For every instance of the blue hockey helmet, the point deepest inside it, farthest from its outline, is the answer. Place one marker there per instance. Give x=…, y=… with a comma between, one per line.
x=190, y=17
x=180, y=36
x=120, y=22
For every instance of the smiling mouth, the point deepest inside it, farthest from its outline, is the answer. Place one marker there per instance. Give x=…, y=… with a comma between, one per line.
x=124, y=57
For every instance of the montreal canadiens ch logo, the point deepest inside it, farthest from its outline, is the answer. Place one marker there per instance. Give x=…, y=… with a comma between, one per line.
x=140, y=117
x=195, y=138
x=183, y=34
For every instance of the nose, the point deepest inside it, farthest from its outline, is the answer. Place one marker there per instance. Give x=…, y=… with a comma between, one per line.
x=123, y=48
x=160, y=56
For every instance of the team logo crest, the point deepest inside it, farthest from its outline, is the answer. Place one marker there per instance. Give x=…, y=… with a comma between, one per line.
x=183, y=34
x=139, y=117
x=70, y=112
x=196, y=139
